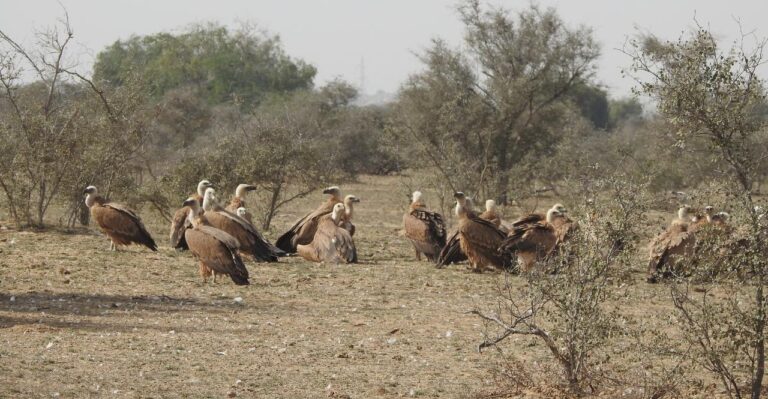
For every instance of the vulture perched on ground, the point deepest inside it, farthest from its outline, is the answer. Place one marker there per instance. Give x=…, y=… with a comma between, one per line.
x=180, y=222
x=216, y=250
x=122, y=225
x=251, y=241
x=699, y=221
x=238, y=201
x=479, y=239
x=675, y=242
x=424, y=228
x=535, y=241
x=451, y=252
x=331, y=243
x=346, y=218
x=303, y=231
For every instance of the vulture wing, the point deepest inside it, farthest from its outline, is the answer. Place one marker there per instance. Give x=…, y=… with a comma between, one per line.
x=451, y=252
x=218, y=251
x=303, y=231
x=179, y=225
x=122, y=225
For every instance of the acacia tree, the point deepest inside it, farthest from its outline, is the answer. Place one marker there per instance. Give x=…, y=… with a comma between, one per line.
x=716, y=96
x=474, y=114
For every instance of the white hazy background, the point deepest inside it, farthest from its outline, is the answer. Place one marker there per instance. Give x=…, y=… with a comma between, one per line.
x=373, y=43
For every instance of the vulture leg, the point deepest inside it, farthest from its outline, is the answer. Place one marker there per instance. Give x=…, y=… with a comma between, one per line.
x=418, y=254
x=112, y=246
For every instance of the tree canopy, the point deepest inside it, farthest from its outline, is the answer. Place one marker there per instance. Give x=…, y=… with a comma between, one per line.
x=222, y=64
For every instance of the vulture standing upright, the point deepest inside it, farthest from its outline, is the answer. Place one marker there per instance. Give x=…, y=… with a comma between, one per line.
x=675, y=242
x=122, y=225
x=331, y=243
x=251, y=241
x=180, y=222
x=535, y=241
x=451, y=252
x=238, y=201
x=346, y=218
x=479, y=239
x=303, y=231
x=424, y=228
x=216, y=250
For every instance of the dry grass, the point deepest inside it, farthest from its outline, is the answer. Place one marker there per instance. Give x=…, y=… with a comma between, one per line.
x=78, y=321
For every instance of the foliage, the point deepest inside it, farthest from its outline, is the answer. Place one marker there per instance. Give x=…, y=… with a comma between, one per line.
x=61, y=132
x=715, y=96
x=219, y=63
x=475, y=126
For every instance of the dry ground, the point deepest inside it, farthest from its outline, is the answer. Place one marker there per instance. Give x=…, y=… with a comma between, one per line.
x=79, y=321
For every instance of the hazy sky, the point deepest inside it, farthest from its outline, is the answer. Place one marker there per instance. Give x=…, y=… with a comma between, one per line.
x=343, y=37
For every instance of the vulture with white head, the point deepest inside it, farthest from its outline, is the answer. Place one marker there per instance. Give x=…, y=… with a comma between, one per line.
x=479, y=239
x=451, y=251
x=346, y=218
x=424, y=228
x=180, y=222
x=251, y=240
x=303, y=231
x=533, y=242
x=238, y=201
x=674, y=243
x=121, y=224
x=331, y=243
x=216, y=250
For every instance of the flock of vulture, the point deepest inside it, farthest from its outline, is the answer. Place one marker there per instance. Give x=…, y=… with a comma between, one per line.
x=218, y=236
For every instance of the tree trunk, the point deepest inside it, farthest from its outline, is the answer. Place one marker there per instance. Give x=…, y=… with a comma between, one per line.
x=272, y=206
x=757, y=378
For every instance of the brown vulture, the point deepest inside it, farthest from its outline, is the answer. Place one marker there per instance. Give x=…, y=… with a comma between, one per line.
x=535, y=241
x=424, y=228
x=675, y=242
x=251, y=240
x=180, y=222
x=331, y=243
x=451, y=252
x=238, y=201
x=479, y=239
x=303, y=231
x=122, y=225
x=217, y=250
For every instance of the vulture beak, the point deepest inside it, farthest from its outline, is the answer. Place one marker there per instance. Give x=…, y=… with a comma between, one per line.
x=250, y=187
x=356, y=199
x=327, y=191
x=189, y=202
x=85, y=191
x=458, y=194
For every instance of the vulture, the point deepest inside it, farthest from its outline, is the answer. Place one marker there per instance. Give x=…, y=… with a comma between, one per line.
x=451, y=252
x=424, y=228
x=122, y=225
x=242, y=212
x=674, y=242
x=180, y=222
x=331, y=243
x=346, y=218
x=251, y=241
x=699, y=221
x=238, y=201
x=491, y=214
x=532, y=242
x=216, y=249
x=303, y=231
x=479, y=239
x=533, y=218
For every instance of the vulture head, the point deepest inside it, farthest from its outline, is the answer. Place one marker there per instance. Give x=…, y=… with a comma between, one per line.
x=209, y=198
x=351, y=199
x=194, y=208
x=416, y=197
x=560, y=208
x=241, y=212
x=90, y=194
x=242, y=189
x=720, y=217
x=338, y=210
x=683, y=212
x=333, y=191
x=490, y=205
x=202, y=186
x=552, y=214
x=461, y=203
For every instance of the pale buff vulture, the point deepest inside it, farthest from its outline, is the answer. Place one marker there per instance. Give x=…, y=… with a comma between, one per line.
x=216, y=250
x=331, y=243
x=122, y=225
x=671, y=246
x=303, y=231
x=424, y=228
x=346, y=218
x=534, y=242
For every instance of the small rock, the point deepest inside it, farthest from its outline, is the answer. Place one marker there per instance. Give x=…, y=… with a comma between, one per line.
x=238, y=300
